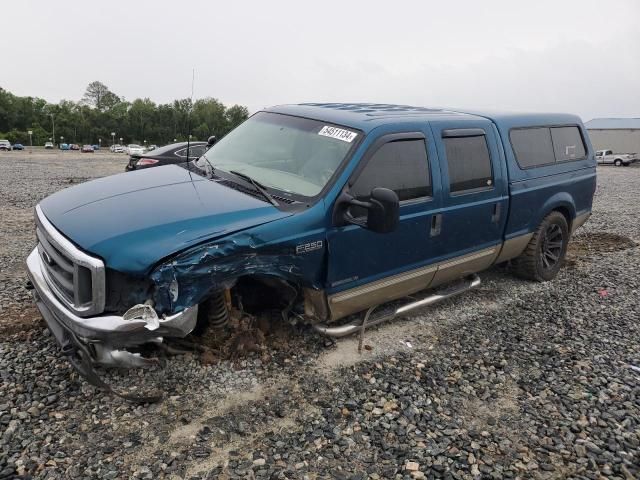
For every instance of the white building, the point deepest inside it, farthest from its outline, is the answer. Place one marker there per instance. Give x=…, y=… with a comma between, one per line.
x=622, y=135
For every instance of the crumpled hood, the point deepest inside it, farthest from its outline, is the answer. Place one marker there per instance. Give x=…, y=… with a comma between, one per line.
x=132, y=220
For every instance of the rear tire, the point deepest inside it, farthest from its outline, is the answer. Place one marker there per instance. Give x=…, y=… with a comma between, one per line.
x=618, y=163
x=545, y=253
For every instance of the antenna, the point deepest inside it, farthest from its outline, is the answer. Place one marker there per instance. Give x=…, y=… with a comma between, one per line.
x=193, y=79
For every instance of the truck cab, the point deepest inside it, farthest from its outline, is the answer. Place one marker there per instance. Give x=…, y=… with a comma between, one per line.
x=315, y=211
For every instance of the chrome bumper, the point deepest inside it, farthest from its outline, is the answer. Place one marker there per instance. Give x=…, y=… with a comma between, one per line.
x=109, y=330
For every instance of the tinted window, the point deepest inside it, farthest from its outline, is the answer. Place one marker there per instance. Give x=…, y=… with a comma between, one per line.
x=469, y=163
x=401, y=166
x=567, y=143
x=194, y=151
x=532, y=146
x=197, y=151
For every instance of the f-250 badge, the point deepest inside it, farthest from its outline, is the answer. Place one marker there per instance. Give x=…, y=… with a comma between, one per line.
x=308, y=247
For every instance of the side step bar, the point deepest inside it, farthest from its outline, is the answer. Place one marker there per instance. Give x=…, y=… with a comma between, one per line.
x=343, y=330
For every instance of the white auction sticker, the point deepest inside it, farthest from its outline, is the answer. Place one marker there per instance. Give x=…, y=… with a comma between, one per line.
x=338, y=133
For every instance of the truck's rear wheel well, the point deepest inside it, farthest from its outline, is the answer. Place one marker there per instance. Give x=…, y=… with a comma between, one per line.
x=567, y=215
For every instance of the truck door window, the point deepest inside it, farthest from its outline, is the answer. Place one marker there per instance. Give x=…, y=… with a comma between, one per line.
x=401, y=166
x=567, y=143
x=469, y=164
x=532, y=146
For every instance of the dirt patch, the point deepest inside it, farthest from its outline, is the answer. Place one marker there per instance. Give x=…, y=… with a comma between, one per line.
x=268, y=337
x=18, y=323
x=584, y=246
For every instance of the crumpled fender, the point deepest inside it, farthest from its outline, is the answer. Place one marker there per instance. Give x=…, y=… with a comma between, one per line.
x=218, y=264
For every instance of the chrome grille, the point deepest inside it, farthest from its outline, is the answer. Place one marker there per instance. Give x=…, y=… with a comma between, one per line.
x=77, y=279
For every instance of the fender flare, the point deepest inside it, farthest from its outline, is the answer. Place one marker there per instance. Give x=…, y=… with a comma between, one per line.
x=560, y=201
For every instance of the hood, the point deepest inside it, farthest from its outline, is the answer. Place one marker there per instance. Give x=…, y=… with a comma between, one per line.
x=134, y=219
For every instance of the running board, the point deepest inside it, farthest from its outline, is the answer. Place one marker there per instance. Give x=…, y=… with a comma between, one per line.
x=343, y=330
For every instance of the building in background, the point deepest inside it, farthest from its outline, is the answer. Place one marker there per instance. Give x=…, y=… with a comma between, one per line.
x=622, y=135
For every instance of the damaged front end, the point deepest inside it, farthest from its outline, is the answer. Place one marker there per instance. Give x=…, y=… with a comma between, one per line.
x=69, y=290
x=102, y=317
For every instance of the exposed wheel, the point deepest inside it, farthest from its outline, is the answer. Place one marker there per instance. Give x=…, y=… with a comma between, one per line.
x=618, y=163
x=543, y=257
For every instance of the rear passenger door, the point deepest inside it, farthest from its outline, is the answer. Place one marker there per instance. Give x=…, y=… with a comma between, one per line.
x=474, y=197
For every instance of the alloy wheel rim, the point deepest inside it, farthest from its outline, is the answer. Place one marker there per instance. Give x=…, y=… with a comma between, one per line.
x=551, y=248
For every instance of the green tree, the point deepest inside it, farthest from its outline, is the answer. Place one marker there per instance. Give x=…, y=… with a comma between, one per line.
x=101, y=112
x=99, y=96
x=236, y=115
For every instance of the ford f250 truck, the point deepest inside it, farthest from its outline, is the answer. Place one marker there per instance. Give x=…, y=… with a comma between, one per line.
x=313, y=211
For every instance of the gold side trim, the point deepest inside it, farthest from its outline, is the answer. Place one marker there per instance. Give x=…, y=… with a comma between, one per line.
x=382, y=284
x=514, y=247
x=401, y=285
x=579, y=221
x=468, y=258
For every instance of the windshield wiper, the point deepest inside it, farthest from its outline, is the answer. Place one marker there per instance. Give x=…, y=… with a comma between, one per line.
x=257, y=185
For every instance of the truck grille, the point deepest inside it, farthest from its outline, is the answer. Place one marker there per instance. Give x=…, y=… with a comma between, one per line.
x=77, y=279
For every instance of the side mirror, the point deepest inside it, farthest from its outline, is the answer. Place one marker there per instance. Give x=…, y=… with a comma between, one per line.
x=383, y=211
x=211, y=141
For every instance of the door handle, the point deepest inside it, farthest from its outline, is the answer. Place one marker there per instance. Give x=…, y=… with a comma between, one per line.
x=436, y=224
x=497, y=210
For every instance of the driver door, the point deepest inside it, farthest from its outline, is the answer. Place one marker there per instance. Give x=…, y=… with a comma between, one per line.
x=368, y=268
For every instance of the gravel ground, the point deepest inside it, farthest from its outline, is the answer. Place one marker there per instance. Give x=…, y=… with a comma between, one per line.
x=514, y=380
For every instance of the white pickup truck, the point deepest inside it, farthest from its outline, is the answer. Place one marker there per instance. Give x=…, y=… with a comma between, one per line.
x=607, y=157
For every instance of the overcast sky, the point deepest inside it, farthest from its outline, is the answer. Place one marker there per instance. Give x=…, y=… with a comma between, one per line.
x=576, y=56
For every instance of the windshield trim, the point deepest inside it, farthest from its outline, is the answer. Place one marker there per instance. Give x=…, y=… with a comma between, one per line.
x=311, y=200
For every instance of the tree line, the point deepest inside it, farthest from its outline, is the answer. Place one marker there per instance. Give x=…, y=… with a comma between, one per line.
x=101, y=112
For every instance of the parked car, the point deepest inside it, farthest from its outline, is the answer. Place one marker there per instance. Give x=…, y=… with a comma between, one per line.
x=17, y=146
x=317, y=211
x=74, y=146
x=176, y=153
x=5, y=145
x=116, y=148
x=87, y=149
x=96, y=147
x=133, y=149
x=64, y=146
x=48, y=145
x=151, y=147
x=607, y=157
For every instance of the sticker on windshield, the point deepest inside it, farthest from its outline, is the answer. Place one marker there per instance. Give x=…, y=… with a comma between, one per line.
x=338, y=133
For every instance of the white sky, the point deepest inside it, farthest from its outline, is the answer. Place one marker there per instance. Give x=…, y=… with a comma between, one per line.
x=579, y=56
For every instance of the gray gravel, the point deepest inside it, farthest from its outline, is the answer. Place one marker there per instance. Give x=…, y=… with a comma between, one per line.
x=515, y=380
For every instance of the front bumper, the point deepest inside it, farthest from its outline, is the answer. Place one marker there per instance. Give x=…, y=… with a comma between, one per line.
x=105, y=333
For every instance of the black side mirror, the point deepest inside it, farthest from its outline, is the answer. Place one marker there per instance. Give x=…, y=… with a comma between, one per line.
x=383, y=210
x=211, y=141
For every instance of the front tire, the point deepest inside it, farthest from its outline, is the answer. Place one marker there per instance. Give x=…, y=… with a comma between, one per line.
x=544, y=255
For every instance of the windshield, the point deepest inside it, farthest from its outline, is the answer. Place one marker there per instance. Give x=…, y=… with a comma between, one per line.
x=292, y=154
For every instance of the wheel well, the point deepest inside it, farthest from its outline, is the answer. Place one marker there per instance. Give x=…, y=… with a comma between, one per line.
x=252, y=294
x=567, y=215
x=259, y=293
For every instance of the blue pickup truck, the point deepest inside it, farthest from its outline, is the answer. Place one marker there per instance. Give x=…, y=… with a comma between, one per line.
x=319, y=212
